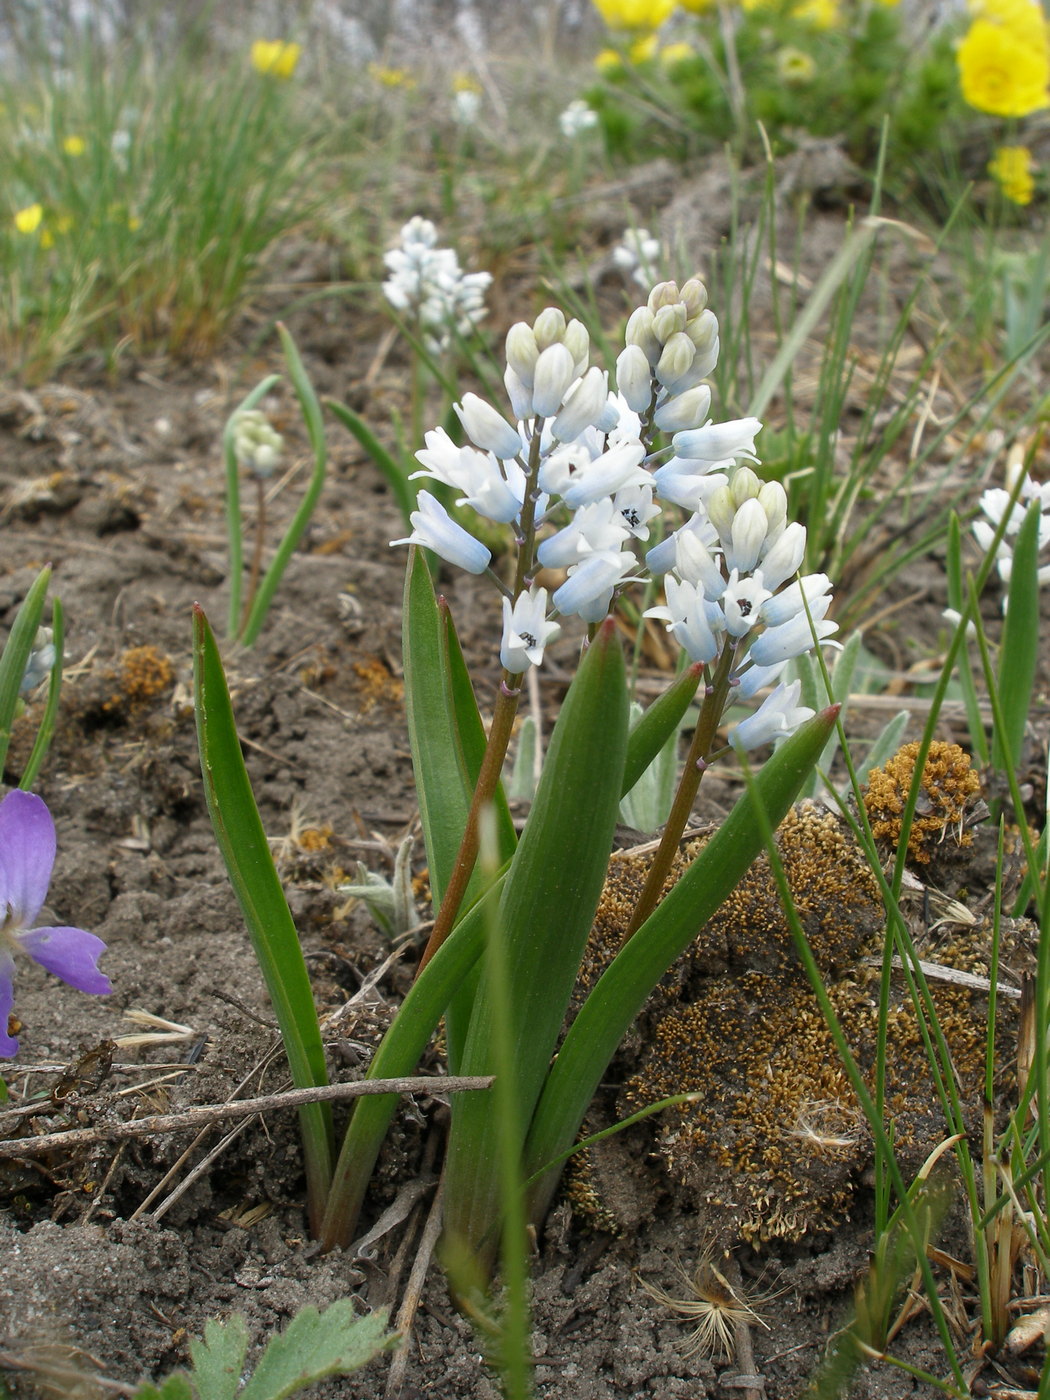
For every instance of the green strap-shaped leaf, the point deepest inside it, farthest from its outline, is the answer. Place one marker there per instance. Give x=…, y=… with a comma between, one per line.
x=1019, y=652
x=624, y=987
x=16, y=653
x=46, y=729
x=239, y=832
x=545, y=916
x=393, y=472
x=656, y=726
x=443, y=785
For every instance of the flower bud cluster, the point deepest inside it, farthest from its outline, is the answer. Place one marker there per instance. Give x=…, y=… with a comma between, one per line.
x=256, y=445
x=574, y=471
x=428, y=284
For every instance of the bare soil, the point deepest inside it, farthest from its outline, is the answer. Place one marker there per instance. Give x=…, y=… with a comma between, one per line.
x=114, y=1255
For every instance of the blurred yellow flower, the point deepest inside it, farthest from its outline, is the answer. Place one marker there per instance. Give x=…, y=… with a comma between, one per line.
x=635, y=14
x=607, y=61
x=28, y=220
x=643, y=49
x=1012, y=168
x=1001, y=71
x=1024, y=17
x=391, y=77
x=821, y=14
x=697, y=7
x=463, y=82
x=275, y=57
x=795, y=66
x=74, y=145
x=672, y=54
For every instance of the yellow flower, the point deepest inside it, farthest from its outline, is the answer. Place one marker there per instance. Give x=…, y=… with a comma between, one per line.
x=391, y=77
x=635, y=14
x=463, y=82
x=608, y=61
x=672, y=54
x=821, y=14
x=275, y=57
x=1024, y=18
x=1002, y=73
x=643, y=49
x=796, y=67
x=74, y=145
x=1012, y=168
x=28, y=220
x=697, y=7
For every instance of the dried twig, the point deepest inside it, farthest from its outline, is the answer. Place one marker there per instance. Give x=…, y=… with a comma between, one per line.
x=209, y=1113
x=413, y=1292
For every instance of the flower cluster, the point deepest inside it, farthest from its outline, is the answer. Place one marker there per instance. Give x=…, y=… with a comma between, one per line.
x=27, y=855
x=1004, y=58
x=637, y=256
x=996, y=503
x=575, y=471
x=257, y=446
x=577, y=119
x=428, y=284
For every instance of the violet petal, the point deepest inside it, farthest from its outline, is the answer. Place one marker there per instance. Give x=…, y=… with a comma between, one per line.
x=8, y=1043
x=70, y=953
x=27, y=855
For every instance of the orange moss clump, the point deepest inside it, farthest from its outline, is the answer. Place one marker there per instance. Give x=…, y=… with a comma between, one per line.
x=949, y=787
x=144, y=674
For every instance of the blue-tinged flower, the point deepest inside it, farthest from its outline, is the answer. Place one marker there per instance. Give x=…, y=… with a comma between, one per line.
x=526, y=631
x=778, y=716
x=693, y=620
x=790, y=639
x=27, y=855
x=588, y=590
x=434, y=528
x=614, y=469
x=715, y=441
x=487, y=428
x=591, y=530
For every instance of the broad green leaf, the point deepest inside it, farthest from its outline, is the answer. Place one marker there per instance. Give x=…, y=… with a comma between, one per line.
x=315, y=1345
x=1019, y=651
x=246, y=852
x=443, y=785
x=16, y=654
x=218, y=1360
x=624, y=987
x=656, y=726
x=545, y=916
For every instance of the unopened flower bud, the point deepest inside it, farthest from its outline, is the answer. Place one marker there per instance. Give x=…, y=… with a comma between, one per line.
x=684, y=411
x=744, y=485
x=583, y=405
x=702, y=330
x=40, y=662
x=640, y=332
x=675, y=360
x=486, y=428
x=773, y=499
x=634, y=378
x=784, y=557
x=522, y=352
x=256, y=446
x=554, y=374
x=720, y=511
x=747, y=534
x=577, y=341
x=694, y=294
x=520, y=394
x=663, y=294
x=668, y=320
x=548, y=327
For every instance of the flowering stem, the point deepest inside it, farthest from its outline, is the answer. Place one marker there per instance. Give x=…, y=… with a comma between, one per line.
x=256, y=566
x=695, y=767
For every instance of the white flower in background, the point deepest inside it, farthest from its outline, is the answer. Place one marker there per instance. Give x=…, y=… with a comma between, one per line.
x=256, y=445
x=637, y=255
x=577, y=119
x=526, y=631
x=428, y=284
x=995, y=503
x=466, y=106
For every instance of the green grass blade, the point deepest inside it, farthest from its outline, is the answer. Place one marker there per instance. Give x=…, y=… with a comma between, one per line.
x=548, y=905
x=625, y=985
x=314, y=420
x=239, y=832
x=46, y=729
x=16, y=654
x=394, y=474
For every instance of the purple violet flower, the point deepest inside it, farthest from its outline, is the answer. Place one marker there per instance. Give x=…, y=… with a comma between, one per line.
x=27, y=855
